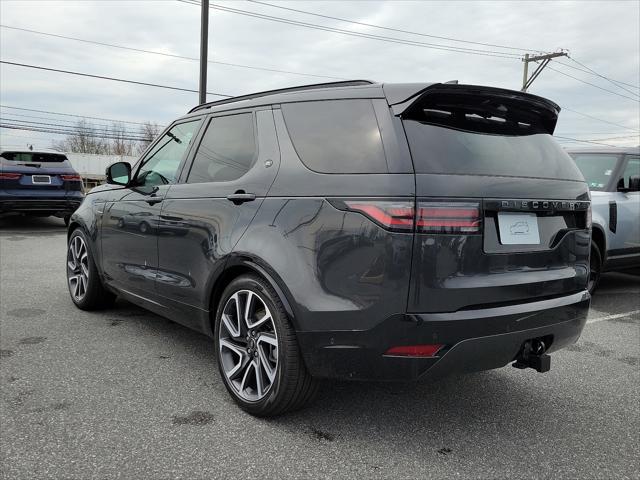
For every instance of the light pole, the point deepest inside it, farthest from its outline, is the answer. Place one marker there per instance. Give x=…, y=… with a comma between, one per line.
x=204, y=43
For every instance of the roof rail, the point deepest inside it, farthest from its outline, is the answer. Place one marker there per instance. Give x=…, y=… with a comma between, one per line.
x=346, y=83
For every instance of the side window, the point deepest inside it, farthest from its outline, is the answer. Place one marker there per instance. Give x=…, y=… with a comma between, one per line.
x=227, y=150
x=336, y=136
x=160, y=167
x=632, y=169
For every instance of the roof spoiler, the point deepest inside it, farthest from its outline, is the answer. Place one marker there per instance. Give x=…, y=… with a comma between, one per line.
x=410, y=96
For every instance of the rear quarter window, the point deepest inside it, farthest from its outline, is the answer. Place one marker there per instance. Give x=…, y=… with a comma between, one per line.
x=336, y=136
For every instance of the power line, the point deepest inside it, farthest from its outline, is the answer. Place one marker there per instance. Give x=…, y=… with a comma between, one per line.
x=53, y=119
x=599, y=119
x=584, y=141
x=61, y=132
x=72, y=115
x=102, y=77
x=617, y=83
x=72, y=131
x=489, y=53
x=140, y=50
x=613, y=82
x=74, y=128
x=616, y=138
x=593, y=85
x=392, y=29
x=573, y=67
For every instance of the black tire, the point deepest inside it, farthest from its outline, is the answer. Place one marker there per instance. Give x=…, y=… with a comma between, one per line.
x=292, y=387
x=595, y=268
x=95, y=296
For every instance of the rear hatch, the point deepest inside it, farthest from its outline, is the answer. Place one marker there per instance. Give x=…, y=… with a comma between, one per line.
x=39, y=171
x=502, y=211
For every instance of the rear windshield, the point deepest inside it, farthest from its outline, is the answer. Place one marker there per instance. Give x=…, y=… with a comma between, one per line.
x=477, y=135
x=31, y=157
x=597, y=168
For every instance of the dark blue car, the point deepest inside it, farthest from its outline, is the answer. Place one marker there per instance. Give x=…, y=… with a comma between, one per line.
x=38, y=183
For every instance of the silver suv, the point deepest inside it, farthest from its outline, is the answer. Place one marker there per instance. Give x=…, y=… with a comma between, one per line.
x=613, y=176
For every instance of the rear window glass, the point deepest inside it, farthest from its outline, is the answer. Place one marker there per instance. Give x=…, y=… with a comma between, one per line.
x=227, y=150
x=476, y=131
x=596, y=168
x=443, y=150
x=31, y=157
x=336, y=136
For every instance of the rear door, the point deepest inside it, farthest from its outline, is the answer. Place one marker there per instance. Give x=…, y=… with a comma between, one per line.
x=203, y=218
x=130, y=225
x=501, y=208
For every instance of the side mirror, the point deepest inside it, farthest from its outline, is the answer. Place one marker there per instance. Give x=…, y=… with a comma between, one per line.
x=119, y=173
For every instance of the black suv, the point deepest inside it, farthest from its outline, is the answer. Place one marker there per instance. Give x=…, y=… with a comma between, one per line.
x=348, y=230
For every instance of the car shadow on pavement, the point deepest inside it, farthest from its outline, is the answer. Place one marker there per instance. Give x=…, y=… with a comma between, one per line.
x=373, y=408
x=31, y=224
x=618, y=281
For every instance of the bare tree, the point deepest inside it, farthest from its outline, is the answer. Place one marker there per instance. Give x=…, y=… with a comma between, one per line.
x=113, y=140
x=149, y=131
x=121, y=142
x=84, y=139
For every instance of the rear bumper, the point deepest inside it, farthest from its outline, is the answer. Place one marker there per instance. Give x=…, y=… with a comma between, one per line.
x=474, y=340
x=63, y=202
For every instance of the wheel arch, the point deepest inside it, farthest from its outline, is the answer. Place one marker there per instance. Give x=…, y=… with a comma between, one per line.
x=600, y=239
x=237, y=266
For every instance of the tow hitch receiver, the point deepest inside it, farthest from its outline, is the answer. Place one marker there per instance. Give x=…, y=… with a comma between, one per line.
x=532, y=356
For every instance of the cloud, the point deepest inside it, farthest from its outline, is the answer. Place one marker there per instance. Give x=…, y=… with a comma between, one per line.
x=602, y=35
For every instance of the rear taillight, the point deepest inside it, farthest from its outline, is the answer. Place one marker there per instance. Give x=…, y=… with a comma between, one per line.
x=10, y=176
x=448, y=217
x=415, y=350
x=589, y=217
x=71, y=178
x=391, y=214
x=432, y=216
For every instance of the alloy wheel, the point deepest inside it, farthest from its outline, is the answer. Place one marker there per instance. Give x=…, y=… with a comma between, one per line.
x=78, y=268
x=248, y=345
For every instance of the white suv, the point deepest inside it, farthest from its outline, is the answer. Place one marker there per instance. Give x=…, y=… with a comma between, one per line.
x=613, y=176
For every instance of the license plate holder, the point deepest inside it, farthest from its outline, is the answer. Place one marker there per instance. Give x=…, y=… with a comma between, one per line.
x=517, y=228
x=41, y=179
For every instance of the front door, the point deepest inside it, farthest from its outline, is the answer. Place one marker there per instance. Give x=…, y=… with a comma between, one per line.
x=130, y=224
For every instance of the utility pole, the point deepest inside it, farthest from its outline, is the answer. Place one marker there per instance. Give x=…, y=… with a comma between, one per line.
x=204, y=43
x=526, y=80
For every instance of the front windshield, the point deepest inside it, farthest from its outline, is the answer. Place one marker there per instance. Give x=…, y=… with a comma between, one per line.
x=596, y=168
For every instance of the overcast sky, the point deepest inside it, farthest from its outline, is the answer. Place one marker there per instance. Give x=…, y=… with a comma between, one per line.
x=604, y=36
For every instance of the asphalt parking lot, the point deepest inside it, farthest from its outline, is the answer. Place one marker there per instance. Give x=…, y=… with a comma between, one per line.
x=126, y=394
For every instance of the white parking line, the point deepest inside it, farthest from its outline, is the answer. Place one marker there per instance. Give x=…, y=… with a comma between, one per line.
x=613, y=317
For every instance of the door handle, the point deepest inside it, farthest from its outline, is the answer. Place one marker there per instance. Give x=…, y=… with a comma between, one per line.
x=153, y=200
x=241, y=197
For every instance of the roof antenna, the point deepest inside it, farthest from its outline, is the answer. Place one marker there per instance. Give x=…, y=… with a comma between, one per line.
x=452, y=82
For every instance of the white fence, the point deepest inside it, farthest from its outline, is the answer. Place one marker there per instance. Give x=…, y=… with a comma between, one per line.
x=87, y=164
